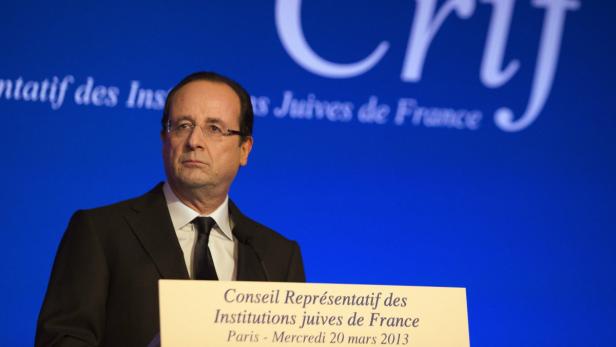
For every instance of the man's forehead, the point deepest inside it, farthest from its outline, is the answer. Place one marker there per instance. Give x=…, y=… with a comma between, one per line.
x=206, y=90
x=207, y=96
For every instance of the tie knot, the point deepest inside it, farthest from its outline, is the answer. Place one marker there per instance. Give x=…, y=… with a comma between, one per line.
x=204, y=224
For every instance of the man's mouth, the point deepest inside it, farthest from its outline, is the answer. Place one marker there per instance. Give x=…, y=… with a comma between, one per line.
x=194, y=162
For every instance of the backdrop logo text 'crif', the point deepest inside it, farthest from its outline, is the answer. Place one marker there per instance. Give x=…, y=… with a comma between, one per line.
x=427, y=21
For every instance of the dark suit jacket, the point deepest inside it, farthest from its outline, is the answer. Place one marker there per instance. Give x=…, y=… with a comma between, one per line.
x=103, y=289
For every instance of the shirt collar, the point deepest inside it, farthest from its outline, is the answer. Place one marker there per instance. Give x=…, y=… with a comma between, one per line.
x=181, y=214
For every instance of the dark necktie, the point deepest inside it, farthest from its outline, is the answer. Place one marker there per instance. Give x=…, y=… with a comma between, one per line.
x=203, y=264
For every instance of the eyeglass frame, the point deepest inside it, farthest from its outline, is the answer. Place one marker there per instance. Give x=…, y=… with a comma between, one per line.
x=169, y=129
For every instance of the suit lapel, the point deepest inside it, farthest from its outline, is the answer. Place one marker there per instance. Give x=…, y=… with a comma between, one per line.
x=152, y=225
x=248, y=265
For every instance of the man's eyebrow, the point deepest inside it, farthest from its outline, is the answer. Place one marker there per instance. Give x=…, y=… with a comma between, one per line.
x=214, y=120
x=208, y=120
x=182, y=117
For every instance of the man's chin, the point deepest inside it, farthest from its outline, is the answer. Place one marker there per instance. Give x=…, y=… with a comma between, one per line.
x=195, y=184
x=191, y=183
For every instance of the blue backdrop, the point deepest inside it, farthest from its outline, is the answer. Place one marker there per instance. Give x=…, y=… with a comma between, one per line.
x=383, y=143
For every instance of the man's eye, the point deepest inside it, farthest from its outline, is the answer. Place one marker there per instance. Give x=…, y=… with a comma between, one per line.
x=214, y=129
x=184, y=126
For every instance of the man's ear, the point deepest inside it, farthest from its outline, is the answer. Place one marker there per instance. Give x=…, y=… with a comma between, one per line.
x=245, y=148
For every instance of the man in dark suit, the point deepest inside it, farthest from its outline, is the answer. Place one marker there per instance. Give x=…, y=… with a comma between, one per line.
x=103, y=289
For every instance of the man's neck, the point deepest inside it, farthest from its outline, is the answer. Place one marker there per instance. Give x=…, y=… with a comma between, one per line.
x=199, y=200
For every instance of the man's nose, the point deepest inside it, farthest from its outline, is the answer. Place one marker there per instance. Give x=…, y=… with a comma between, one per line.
x=196, y=139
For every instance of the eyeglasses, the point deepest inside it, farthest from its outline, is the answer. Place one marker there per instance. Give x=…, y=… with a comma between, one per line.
x=184, y=129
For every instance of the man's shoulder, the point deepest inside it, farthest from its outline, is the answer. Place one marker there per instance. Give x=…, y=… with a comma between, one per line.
x=265, y=231
x=153, y=197
x=253, y=231
x=280, y=255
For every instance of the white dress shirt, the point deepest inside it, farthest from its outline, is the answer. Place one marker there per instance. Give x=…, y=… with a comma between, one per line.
x=222, y=244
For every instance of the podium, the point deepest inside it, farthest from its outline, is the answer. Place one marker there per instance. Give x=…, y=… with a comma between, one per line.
x=219, y=313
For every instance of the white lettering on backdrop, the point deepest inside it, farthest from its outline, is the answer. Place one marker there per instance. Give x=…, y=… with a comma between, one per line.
x=426, y=23
x=290, y=105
